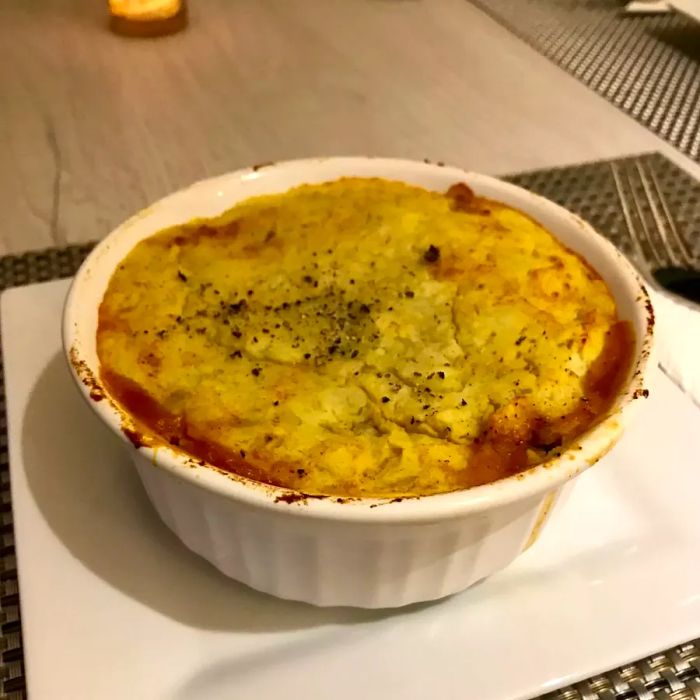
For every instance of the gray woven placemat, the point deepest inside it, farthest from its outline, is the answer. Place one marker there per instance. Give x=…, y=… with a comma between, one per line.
x=648, y=66
x=587, y=189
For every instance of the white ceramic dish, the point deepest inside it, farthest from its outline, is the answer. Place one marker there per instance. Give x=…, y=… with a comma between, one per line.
x=362, y=553
x=114, y=607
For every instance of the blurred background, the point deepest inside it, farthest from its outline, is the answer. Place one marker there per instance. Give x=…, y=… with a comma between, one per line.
x=95, y=125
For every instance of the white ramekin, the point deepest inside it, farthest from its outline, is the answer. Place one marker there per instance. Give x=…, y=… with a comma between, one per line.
x=366, y=553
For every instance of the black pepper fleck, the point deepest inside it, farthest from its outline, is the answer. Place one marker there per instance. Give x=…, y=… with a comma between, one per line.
x=238, y=306
x=432, y=254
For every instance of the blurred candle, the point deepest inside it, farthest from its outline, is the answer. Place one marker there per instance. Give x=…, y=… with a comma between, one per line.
x=147, y=17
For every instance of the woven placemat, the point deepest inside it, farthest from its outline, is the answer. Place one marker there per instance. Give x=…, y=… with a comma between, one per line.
x=647, y=65
x=589, y=190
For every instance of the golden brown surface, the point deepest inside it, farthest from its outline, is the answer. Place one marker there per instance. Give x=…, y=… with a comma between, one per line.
x=362, y=338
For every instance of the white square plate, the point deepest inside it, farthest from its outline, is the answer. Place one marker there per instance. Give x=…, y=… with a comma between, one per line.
x=114, y=607
x=690, y=8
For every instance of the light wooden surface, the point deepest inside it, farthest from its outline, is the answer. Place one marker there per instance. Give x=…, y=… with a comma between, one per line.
x=93, y=127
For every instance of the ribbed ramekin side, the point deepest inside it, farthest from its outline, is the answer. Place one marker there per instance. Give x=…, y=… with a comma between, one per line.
x=340, y=563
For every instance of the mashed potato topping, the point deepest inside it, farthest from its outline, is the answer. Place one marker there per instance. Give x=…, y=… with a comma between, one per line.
x=362, y=337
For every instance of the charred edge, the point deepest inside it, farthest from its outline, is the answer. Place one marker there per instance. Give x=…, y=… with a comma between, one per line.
x=297, y=497
x=396, y=499
x=462, y=198
x=134, y=437
x=651, y=318
x=640, y=394
x=86, y=376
